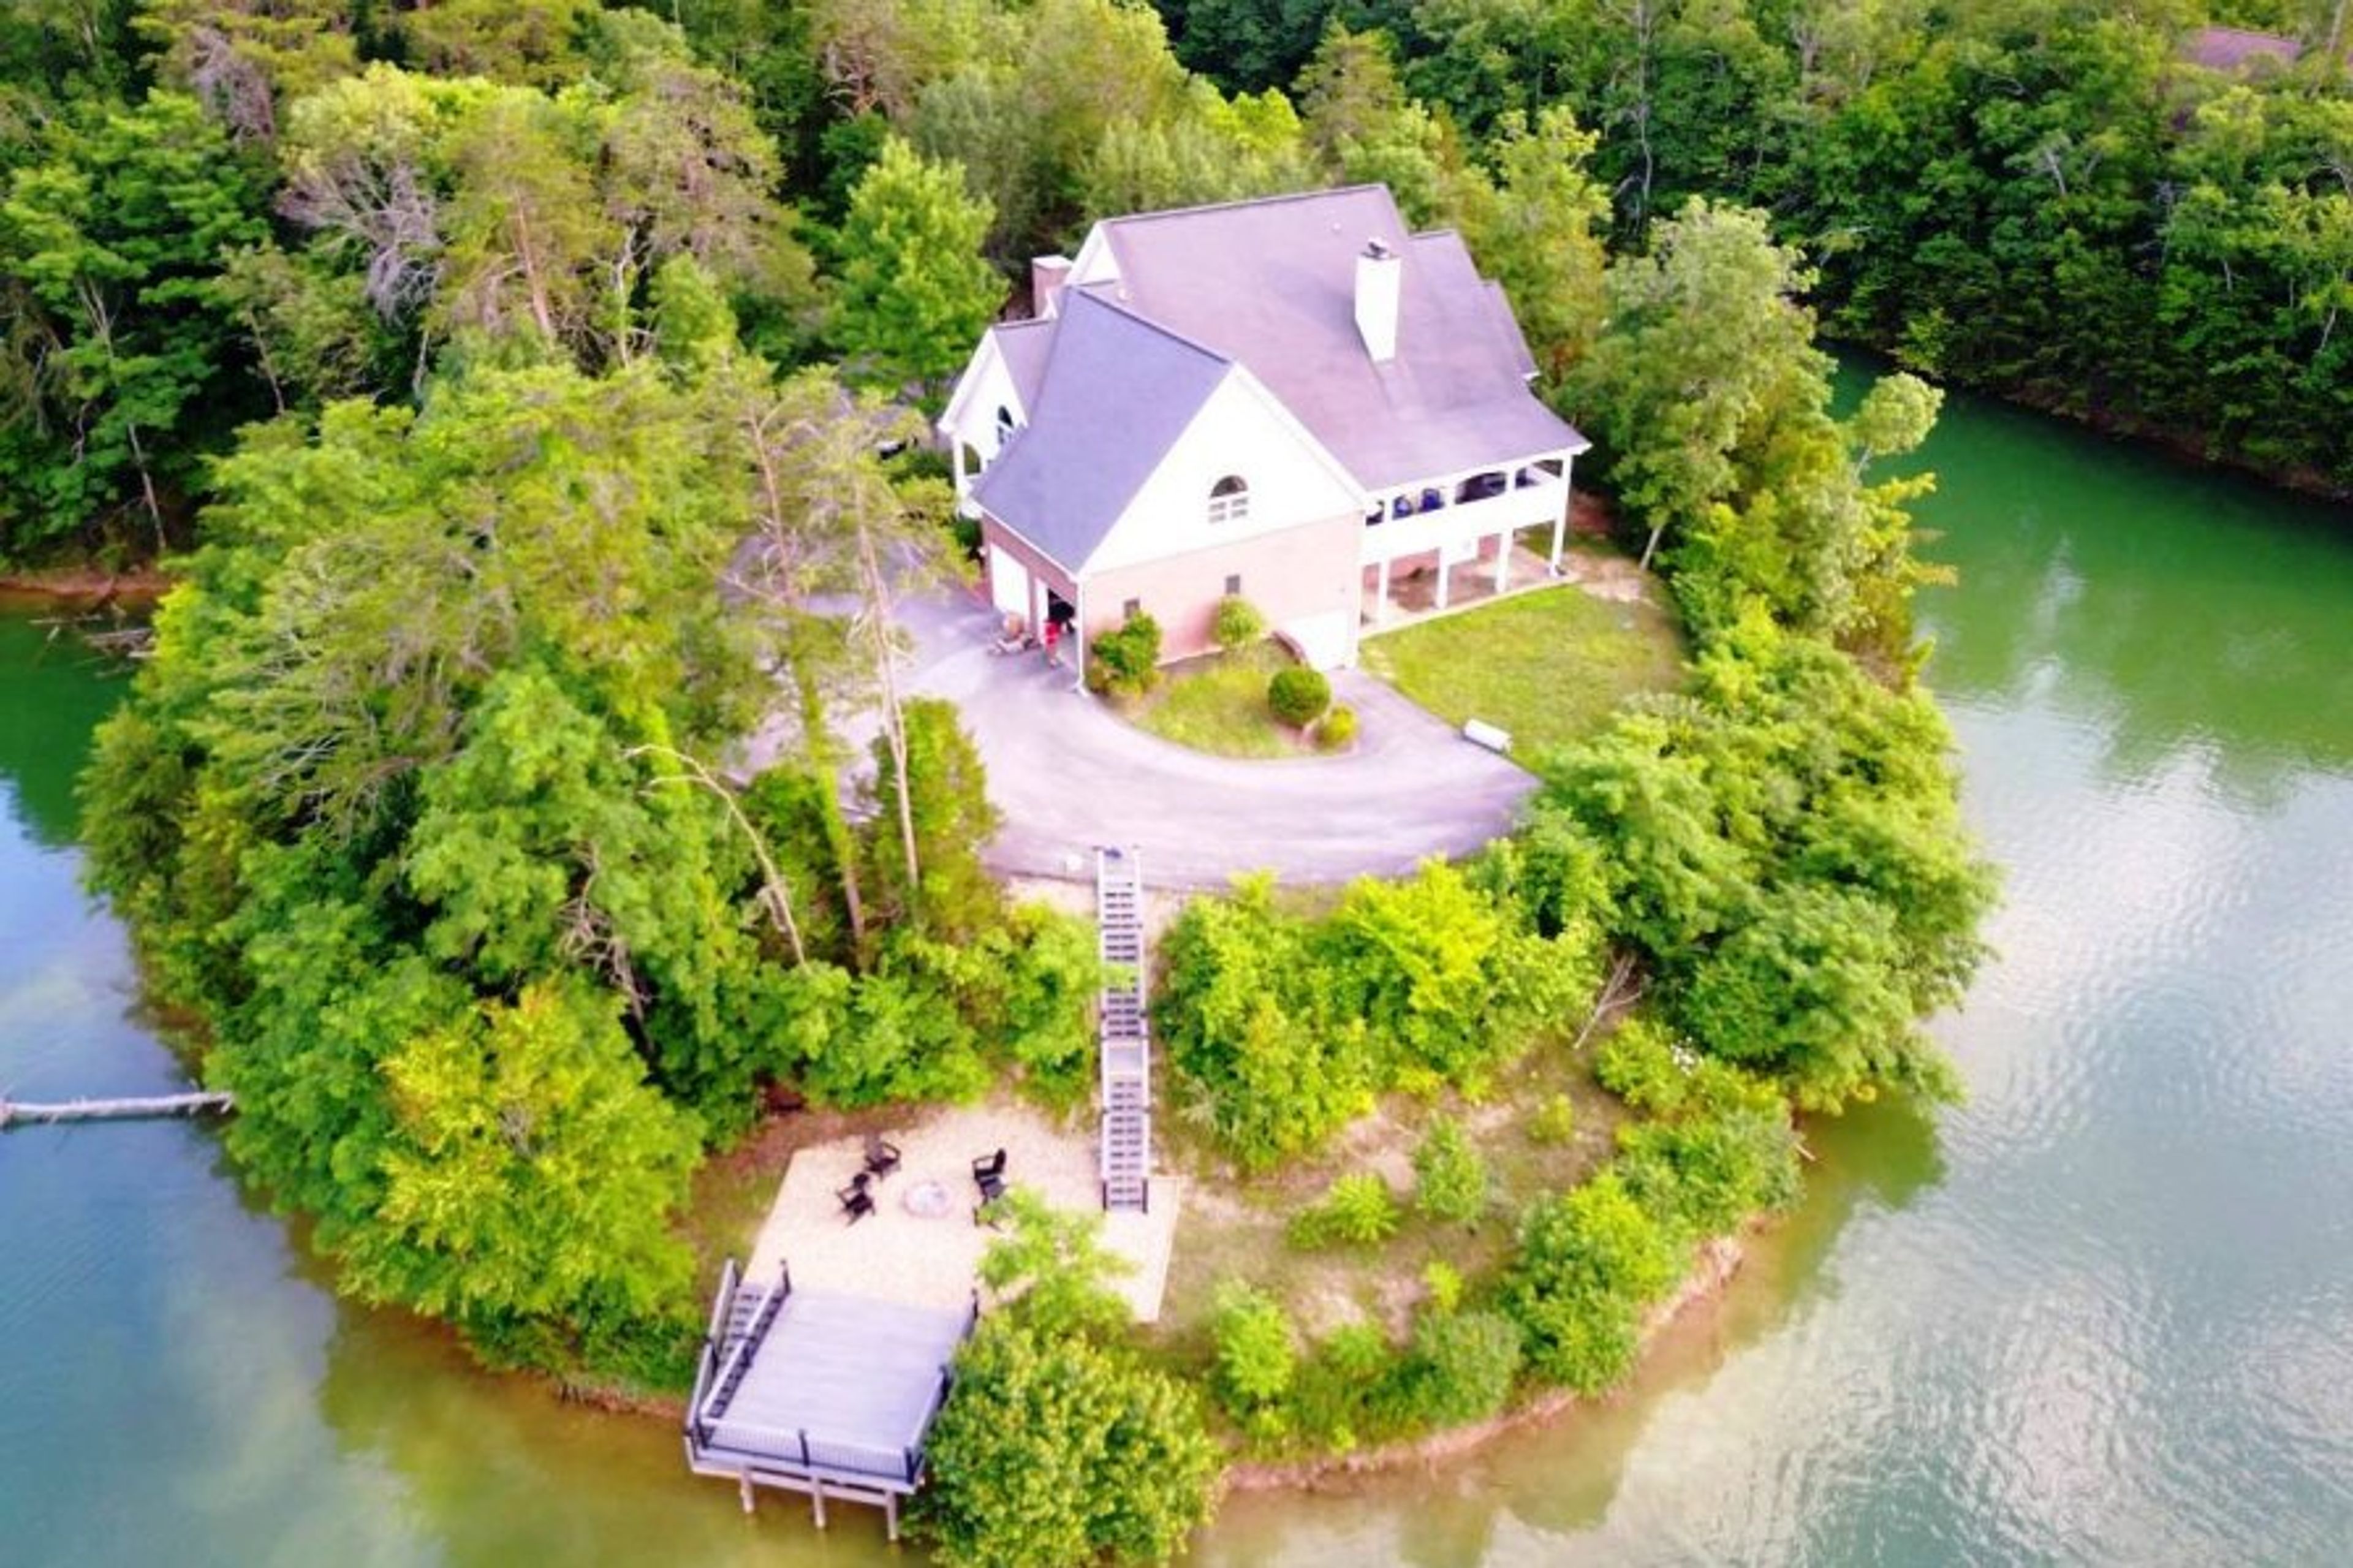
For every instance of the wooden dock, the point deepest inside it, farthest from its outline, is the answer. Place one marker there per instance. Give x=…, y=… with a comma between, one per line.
x=820, y=1393
x=140, y=1108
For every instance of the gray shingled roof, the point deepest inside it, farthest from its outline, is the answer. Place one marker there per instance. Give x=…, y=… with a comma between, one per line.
x=2230, y=49
x=1115, y=394
x=1024, y=345
x=1113, y=380
x=1272, y=284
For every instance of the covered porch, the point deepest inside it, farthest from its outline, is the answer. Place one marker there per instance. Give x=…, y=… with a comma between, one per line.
x=1473, y=533
x=1414, y=588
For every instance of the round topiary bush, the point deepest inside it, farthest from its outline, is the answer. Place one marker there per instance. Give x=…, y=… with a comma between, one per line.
x=1337, y=732
x=1238, y=623
x=1298, y=696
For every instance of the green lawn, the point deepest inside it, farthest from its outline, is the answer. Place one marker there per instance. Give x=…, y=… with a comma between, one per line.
x=1549, y=665
x=1217, y=703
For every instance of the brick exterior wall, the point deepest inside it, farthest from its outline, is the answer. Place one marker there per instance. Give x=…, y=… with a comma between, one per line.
x=1296, y=574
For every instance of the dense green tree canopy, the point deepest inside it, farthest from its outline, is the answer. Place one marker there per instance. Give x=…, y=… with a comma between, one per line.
x=409, y=808
x=1055, y=1448
x=113, y=230
x=915, y=291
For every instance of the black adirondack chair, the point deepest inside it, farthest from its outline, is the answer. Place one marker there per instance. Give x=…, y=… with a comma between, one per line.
x=988, y=1174
x=882, y=1157
x=856, y=1201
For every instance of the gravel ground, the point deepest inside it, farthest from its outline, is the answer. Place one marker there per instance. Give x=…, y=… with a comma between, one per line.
x=898, y=1255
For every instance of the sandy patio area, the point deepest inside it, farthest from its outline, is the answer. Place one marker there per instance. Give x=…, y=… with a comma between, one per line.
x=899, y=1253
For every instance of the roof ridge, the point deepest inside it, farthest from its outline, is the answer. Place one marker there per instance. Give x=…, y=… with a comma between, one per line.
x=1089, y=292
x=2251, y=33
x=1275, y=200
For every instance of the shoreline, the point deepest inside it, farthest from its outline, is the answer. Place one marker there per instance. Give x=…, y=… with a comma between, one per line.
x=87, y=587
x=1718, y=1262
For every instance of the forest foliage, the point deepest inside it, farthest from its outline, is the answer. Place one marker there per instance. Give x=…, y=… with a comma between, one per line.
x=507, y=381
x=417, y=806
x=212, y=214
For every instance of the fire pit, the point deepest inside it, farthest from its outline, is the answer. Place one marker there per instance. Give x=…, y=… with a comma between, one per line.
x=927, y=1200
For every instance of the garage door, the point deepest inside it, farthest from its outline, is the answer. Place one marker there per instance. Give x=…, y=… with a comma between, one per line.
x=1321, y=642
x=1009, y=584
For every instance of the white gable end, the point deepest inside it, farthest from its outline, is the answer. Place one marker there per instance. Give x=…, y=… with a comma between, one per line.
x=986, y=387
x=1239, y=432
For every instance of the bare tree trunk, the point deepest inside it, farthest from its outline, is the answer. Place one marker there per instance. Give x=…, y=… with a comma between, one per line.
x=536, y=287
x=1615, y=995
x=102, y=323
x=894, y=719
x=1641, y=18
x=836, y=831
x=776, y=893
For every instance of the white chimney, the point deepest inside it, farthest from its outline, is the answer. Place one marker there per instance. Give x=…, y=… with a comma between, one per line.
x=1380, y=276
x=1047, y=276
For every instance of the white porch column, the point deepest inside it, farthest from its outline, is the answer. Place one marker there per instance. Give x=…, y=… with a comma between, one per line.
x=1381, y=593
x=1503, y=561
x=1442, y=570
x=1561, y=518
x=1037, y=601
x=962, y=484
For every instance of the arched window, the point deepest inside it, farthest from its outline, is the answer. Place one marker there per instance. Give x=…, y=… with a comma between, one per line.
x=1004, y=426
x=1228, y=499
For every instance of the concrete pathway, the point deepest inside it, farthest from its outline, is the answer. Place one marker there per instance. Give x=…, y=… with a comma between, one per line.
x=1068, y=775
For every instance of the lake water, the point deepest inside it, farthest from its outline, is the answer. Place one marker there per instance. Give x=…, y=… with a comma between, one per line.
x=2104, y=1312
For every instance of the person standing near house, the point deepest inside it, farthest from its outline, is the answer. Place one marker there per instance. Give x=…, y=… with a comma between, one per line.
x=1051, y=635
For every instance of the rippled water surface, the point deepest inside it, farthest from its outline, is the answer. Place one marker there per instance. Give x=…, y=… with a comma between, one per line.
x=2104, y=1312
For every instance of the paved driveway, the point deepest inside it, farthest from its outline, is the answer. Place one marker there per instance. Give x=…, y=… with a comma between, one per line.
x=1068, y=776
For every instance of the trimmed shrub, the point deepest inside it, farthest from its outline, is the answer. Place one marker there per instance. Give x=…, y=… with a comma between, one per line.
x=1444, y=1283
x=1238, y=623
x=1337, y=732
x=1344, y=1389
x=1590, y=1262
x=1461, y=1367
x=1449, y=1179
x=1554, y=1121
x=1641, y=1064
x=1703, y=1175
x=1298, y=696
x=1257, y=1362
x=1126, y=662
x=1357, y=1210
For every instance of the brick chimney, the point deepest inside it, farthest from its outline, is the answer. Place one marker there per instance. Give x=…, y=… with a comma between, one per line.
x=1047, y=276
x=1380, y=278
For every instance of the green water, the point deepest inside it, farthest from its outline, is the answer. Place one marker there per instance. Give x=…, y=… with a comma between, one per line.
x=2104, y=1312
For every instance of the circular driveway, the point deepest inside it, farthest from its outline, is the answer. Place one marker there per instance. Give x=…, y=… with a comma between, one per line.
x=1068, y=776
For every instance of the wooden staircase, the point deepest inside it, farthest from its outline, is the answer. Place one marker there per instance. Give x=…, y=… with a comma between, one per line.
x=740, y=1320
x=1126, y=1044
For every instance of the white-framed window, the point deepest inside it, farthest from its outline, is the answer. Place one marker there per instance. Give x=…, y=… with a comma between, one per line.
x=1004, y=427
x=1228, y=499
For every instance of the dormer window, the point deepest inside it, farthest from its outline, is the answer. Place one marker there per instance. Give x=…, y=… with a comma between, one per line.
x=1228, y=499
x=1004, y=426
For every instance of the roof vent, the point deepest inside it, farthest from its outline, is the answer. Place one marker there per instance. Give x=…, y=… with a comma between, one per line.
x=1380, y=278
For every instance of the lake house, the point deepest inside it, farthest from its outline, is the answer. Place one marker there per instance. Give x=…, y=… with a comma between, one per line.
x=1291, y=400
